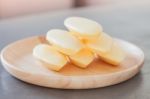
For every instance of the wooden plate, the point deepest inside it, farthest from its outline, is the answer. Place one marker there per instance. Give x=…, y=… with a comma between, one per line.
x=17, y=59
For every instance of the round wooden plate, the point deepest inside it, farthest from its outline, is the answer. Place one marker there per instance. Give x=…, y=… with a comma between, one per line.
x=17, y=59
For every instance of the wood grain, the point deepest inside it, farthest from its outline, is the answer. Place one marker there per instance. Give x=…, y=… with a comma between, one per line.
x=17, y=59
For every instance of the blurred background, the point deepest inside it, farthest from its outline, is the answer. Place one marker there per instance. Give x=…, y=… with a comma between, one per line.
x=14, y=8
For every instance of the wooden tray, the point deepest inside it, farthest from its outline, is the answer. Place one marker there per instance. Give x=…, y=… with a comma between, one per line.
x=17, y=59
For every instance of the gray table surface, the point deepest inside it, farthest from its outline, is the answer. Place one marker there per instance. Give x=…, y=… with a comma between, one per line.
x=129, y=23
